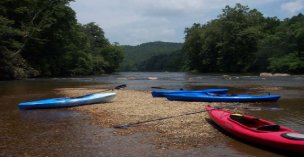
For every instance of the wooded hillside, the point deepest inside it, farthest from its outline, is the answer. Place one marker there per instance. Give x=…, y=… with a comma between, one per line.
x=136, y=57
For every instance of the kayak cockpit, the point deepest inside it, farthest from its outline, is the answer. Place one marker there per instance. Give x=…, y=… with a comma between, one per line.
x=255, y=124
x=273, y=127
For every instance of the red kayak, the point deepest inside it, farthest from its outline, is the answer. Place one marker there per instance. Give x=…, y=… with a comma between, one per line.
x=258, y=131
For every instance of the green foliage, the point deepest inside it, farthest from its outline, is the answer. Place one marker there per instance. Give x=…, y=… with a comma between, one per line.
x=164, y=62
x=287, y=63
x=12, y=38
x=106, y=57
x=95, y=35
x=242, y=40
x=113, y=56
x=287, y=38
x=134, y=55
x=193, y=47
x=226, y=44
x=43, y=38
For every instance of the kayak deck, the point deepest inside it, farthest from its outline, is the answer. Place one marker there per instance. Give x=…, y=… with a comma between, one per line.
x=67, y=102
x=163, y=92
x=213, y=97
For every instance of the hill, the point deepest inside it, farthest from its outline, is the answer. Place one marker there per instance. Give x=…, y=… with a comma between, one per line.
x=135, y=55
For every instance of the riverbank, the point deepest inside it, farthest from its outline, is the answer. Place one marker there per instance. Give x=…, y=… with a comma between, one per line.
x=133, y=106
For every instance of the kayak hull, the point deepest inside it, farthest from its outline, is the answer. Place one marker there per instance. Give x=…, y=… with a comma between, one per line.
x=209, y=97
x=67, y=102
x=250, y=132
x=163, y=92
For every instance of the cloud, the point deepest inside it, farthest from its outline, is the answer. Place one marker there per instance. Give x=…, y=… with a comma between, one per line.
x=293, y=7
x=137, y=21
x=144, y=30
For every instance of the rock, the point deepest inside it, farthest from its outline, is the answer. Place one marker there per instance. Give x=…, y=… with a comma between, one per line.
x=281, y=74
x=227, y=77
x=152, y=78
x=264, y=74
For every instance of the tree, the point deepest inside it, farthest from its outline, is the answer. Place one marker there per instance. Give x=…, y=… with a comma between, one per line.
x=95, y=35
x=106, y=57
x=226, y=44
x=113, y=56
x=289, y=63
x=17, y=27
x=43, y=38
x=192, y=46
x=60, y=46
x=240, y=33
x=288, y=41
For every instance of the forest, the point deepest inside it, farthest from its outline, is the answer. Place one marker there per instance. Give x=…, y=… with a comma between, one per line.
x=243, y=40
x=43, y=39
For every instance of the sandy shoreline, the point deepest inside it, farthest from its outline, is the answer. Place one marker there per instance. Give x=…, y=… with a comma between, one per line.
x=131, y=106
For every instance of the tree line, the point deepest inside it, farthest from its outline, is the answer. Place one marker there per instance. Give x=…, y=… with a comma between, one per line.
x=43, y=38
x=243, y=40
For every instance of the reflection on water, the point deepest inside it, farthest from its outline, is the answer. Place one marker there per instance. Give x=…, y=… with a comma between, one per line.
x=63, y=132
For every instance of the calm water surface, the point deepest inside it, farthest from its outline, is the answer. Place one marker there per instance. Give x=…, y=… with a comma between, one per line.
x=62, y=132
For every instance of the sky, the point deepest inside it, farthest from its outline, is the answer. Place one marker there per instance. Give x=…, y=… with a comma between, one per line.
x=133, y=22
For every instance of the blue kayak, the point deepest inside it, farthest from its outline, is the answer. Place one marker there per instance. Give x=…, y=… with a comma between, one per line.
x=67, y=102
x=212, y=97
x=163, y=92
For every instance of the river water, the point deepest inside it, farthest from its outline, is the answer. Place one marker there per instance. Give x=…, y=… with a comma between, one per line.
x=63, y=132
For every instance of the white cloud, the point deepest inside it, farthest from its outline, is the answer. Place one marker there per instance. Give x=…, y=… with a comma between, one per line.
x=293, y=7
x=137, y=21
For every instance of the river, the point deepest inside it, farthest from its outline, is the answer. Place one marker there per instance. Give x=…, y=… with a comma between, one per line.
x=64, y=132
